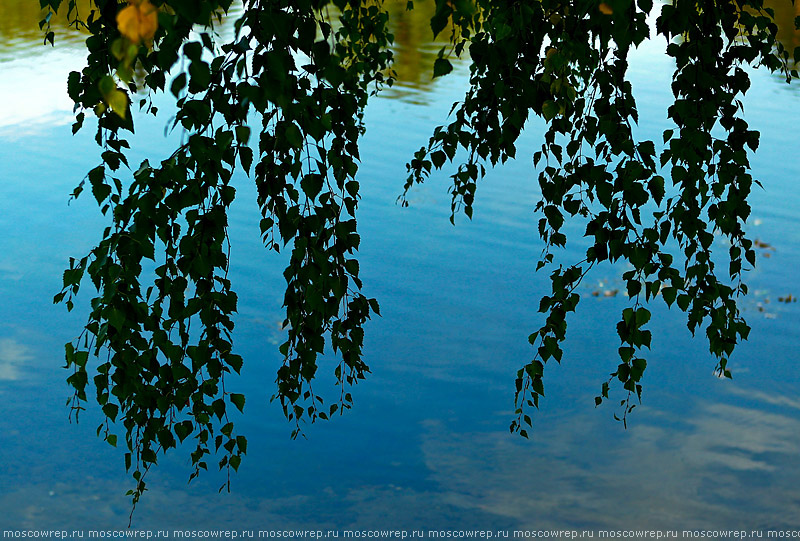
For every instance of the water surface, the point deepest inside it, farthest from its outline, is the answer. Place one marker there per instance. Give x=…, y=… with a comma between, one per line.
x=426, y=445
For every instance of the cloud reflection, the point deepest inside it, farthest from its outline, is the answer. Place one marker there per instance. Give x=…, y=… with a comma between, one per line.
x=717, y=465
x=12, y=356
x=27, y=92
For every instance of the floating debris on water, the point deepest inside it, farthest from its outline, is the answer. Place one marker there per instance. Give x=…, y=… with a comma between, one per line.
x=605, y=293
x=761, y=244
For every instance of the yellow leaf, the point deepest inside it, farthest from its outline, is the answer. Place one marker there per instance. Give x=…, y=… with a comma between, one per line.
x=149, y=20
x=138, y=22
x=605, y=9
x=128, y=23
x=112, y=96
x=118, y=101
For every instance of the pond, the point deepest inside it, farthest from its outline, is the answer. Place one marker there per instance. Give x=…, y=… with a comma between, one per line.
x=426, y=445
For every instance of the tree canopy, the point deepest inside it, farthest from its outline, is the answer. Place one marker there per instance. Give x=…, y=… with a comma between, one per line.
x=283, y=102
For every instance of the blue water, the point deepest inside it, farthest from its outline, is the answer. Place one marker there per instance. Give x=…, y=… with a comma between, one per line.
x=427, y=444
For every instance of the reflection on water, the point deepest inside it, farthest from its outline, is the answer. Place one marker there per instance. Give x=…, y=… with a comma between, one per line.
x=726, y=462
x=31, y=71
x=723, y=466
x=415, y=48
x=785, y=13
x=13, y=355
x=36, y=92
x=425, y=445
x=19, y=27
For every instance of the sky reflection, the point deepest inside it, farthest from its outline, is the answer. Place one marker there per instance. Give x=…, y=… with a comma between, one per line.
x=29, y=90
x=13, y=356
x=726, y=467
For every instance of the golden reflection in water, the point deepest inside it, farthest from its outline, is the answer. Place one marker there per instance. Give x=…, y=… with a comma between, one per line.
x=415, y=48
x=785, y=14
x=19, y=25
